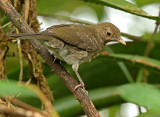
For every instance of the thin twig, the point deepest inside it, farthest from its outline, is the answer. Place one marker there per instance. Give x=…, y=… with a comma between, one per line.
x=149, y=47
x=20, y=60
x=132, y=37
x=63, y=74
x=5, y=25
x=19, y=112
x=151, y=40
x=140, y=110
x=24, y=105
x=26, y=10
x=3, y=51
x=2, y=64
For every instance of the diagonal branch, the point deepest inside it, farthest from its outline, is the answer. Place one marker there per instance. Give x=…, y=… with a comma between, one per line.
x=63, y=74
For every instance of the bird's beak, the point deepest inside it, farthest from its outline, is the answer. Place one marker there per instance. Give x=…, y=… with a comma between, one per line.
x=121, y=41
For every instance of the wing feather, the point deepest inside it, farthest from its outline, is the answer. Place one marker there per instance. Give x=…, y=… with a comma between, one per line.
x=80, y=36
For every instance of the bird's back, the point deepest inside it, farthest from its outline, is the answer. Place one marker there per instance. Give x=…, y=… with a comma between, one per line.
x=81, y=36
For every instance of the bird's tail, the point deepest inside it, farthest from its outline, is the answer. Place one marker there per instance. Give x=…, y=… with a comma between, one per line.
x=38, y=36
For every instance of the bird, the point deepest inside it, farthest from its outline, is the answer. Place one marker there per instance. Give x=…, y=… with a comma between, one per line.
x=75, y=43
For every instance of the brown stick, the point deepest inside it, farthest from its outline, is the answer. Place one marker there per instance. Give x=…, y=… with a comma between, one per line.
x=24, y=106
x=63, y=74
x=20, y=112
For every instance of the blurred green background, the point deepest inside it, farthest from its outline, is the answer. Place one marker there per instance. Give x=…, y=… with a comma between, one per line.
x=124, y=83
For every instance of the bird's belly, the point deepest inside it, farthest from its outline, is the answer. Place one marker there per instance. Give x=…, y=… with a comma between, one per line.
x=69, y=54
x=72, y=55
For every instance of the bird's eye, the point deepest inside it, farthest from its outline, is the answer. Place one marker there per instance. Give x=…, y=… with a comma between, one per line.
x=108, y=33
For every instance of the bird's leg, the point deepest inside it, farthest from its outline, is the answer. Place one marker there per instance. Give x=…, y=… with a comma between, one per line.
x=75, y=69
x=55, y=59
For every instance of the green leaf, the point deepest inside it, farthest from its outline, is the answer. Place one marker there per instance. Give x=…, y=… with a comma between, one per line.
x=141, y=94
x=150, y=114
x=11, y=88
x=112, y=111
x=51, y=7
x=4, y=19
x=124, y=6
x=141, y=3
x=102, y=97
x=122, y=66
x=139, y=60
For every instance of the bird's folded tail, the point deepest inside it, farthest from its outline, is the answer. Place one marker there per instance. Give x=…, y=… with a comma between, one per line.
x=38, y=36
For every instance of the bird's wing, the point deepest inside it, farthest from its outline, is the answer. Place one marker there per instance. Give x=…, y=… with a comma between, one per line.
x=79, y=36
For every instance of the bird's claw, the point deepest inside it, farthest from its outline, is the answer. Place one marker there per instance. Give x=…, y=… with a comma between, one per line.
x=81, y=86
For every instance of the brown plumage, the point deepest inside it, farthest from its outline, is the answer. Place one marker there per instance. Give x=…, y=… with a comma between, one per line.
x=75, y=43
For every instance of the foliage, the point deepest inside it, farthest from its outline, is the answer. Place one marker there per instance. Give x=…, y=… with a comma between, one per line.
x=111, y=78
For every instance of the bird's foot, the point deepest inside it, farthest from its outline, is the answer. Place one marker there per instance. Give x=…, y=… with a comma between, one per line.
x=55, y=59
x=81, y=85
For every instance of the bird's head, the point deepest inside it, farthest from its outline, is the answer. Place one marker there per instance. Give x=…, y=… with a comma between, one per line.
x=109, y=32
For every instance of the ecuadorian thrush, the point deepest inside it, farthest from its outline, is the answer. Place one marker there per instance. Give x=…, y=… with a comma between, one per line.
x=76, y=43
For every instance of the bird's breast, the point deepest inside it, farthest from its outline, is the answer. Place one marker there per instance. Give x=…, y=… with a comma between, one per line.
x=70, y=54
